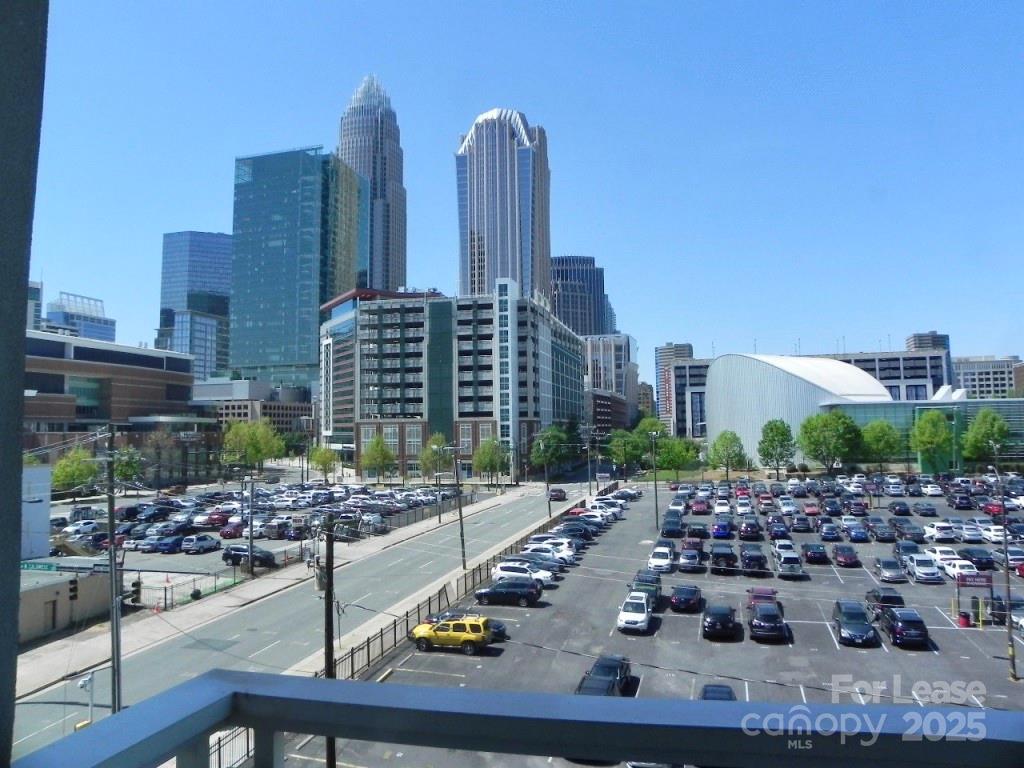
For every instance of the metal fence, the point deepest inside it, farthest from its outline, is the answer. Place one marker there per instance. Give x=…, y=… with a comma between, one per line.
x=225, y=750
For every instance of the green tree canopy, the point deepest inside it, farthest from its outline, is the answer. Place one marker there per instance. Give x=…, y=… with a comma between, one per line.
x=73, y=469
x=881, y=442
x=777, y=447
x=324, y=459
x=986, y=437
x=29, y=460
x=647, y=425
x=676, y=453
x=253, y=442
x=378, y=457
x=932, y=438
x=727, y=452
x=625, y=448
x=829, y=438
x=489, y=458
x=127, y=465
x=432, y=458
x=549, y=447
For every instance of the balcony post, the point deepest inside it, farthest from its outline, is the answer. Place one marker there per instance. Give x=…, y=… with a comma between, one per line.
x=269, y=748
x=194, y=753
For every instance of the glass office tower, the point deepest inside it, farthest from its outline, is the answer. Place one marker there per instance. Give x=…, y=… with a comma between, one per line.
x=282, y=265
x=504, y=205
x=195, y=287
x=370, y=144
x=578, y=295
x=83, y=314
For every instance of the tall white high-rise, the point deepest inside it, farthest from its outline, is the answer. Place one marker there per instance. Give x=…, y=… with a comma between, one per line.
x=370, y=144
x=504, y=205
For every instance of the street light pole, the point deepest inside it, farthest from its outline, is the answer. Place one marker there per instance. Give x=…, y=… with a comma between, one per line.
x=1007, y=605
x=547, y=484
x=654, y=461
x=329, y=670
x=458, y=497
x=115, y=585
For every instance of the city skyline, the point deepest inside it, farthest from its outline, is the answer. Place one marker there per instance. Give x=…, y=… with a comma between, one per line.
x=863, y=181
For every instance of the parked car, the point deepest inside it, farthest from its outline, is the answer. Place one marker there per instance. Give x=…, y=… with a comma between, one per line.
x=845, y=555
x=852, y=625
x=723, y=558
x=922, y=569
x=879, y=597
x=765, y=622
x=719, y=622
x=470, y=635
x=648, y=582
x=236, y=554
x=519, y=591
x=610, y=675
x=685, y=598
x=904, y=626
x=661, y=560
x=507, y=570
x=788, y=565
x=900, y=508
x=753, y=561
x=924, y=509
x=202, y=542
x=634, y=613
x=715, y=692
x=689, y=561
x=888, y=569
x=814, y=553
x=557, y=494
x=883, y=533
x=979, y=556
x=170, y=545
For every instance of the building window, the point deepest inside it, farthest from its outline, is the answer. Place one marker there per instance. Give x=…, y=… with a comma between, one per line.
x=413, y=439
x=465, y=438
x=366, y=435
x=391, y=437
x=917, y=392
x=894, y=392
x=486, y=432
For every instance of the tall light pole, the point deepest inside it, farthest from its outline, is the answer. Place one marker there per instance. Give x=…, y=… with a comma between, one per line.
x=458, y=498
x=654, y=461
x=115, y=585
x=547, y=484
x=1007, y=611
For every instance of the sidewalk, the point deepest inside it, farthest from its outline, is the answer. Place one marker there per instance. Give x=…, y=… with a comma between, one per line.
x=72, y=656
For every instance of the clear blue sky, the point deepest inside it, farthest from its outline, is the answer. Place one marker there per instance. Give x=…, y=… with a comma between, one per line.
x=749, y=170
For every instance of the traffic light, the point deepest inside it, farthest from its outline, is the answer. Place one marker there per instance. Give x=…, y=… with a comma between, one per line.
x=136, y=591
x=73, y=589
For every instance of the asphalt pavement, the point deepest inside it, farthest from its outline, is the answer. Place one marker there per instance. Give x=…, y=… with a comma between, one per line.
x=275, y=631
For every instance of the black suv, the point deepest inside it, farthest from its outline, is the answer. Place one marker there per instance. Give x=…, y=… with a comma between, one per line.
x=720, y=621
x=904, y=626
x=723, y=558
x=236, y=554
x=879, y=597
x=852, y=624
x=517, y=590
x=610, y=676
x=753, y=561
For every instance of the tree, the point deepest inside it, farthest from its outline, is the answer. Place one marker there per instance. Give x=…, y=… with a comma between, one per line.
x=489, y=459
x=882, y=443
x=676, y=453
x=727, y=452
x=253, y=442
x=777, y=446
x=74, y=469
x=378, y=457
x=986, y=436
x=29, y=460
x=432, y=458
x=625, y=448
x=549, y=447
x=127, y=466
x=932, y=438
x=829, y=438
x=324, y=459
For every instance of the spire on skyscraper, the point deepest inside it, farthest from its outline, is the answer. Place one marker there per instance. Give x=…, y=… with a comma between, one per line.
x=370, y=93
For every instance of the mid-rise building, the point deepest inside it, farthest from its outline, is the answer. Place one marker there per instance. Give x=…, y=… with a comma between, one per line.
x=645, y=398
x=985, y=375
x=244, y=400
x=578, y=295
x=405, y=366
x=906, y=375
x=83, y=314
x=195, y=290
x=369, y=144
x=1018, y=379
x=610, y=319
x=605, y=411
x=689, y=397
x=503, y=186
x=610, y=365
x=34, y=313
x=289, y=213
x=917, y=342
x=665, y=357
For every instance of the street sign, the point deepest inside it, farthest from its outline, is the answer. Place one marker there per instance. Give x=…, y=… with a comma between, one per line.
x=31, y=565
x=974, y=579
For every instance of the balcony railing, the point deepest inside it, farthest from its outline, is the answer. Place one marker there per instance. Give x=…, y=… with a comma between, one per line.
x=178, y=724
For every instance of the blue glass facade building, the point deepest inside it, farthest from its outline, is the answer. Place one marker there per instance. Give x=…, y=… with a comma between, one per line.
x=195, y=289
x=504, y=205
x=578, y=295
x=83, y=314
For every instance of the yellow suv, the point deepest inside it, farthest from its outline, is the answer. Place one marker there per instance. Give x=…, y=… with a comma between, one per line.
x=469, y=633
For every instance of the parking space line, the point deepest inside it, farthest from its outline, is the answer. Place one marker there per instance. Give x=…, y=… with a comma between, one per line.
x=700, y=627
x=429, y=672
x=803, y=694
x=693, y=688
x=639, y=682
x=977, y=701
x=828, y=627
x=869, y=573
x=746, y=689
x=835, y=570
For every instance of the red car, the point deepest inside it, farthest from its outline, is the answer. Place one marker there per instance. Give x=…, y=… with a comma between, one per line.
x=232, y=531
x=811, y=509
x=700, y=507
x=1020, y=570
x=992, y=508
x=845, y=555
x=118, y=542
x=218, y=518
x=673, y=486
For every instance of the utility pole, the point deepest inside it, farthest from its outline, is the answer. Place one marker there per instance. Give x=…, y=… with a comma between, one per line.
x=654, y=461
x=252, y=498
x=1007, y=612
x=329, y=671
x=458, y=497
x=115, y=587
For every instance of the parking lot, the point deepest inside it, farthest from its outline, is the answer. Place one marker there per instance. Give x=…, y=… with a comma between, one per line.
x=553, y=644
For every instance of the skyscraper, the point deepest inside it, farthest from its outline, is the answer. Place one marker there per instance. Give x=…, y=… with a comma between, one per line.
x=578, y=295
x=83, y=314
x=665, y=357
x=195, y=287
x=504, y=205
x=370, y=144
x=282, y=268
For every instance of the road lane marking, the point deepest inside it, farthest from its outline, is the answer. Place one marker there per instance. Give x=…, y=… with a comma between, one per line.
x=265, y=648
x=430, y=672
x=426, y=564
x=46, y=727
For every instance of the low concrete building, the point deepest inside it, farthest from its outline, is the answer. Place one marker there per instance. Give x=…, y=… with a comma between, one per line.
x=45, y=605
